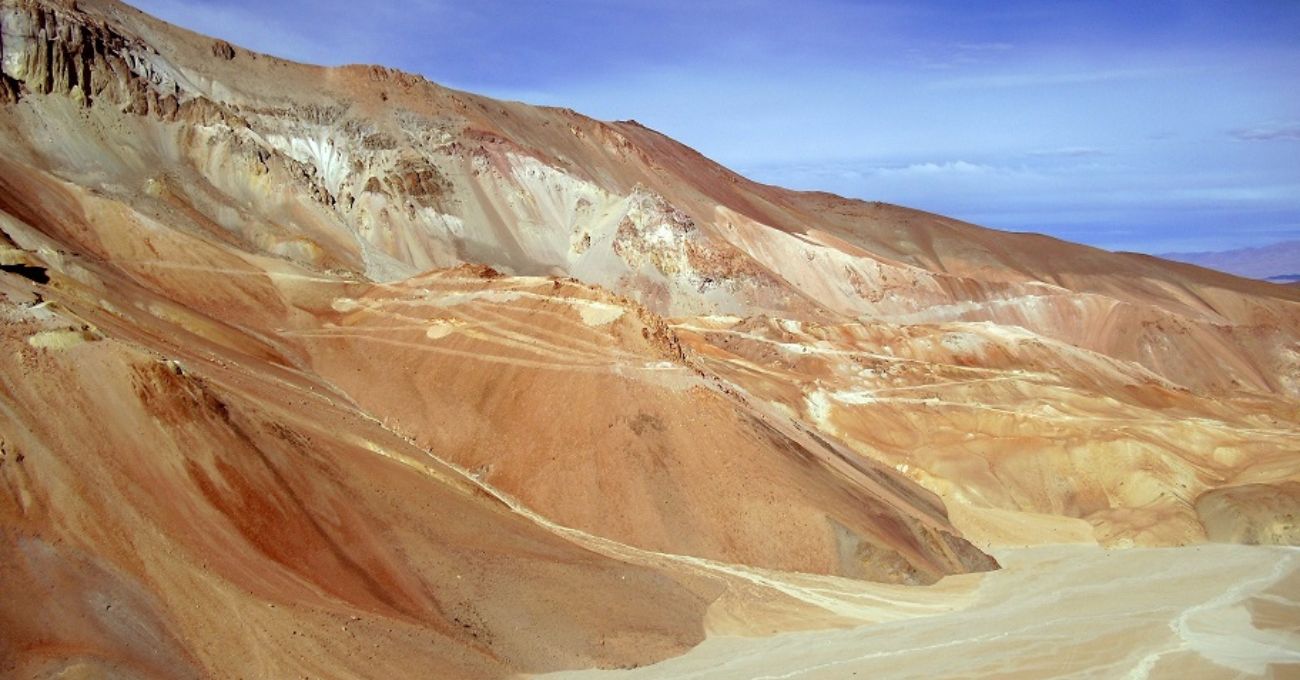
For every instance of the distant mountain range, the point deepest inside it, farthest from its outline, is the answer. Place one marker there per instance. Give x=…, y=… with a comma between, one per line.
x=1279, y=262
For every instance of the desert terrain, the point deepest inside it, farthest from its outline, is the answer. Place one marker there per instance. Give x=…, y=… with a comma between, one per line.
x=336, y=372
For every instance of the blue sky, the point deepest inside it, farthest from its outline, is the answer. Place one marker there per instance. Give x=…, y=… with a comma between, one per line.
x=1152, y=126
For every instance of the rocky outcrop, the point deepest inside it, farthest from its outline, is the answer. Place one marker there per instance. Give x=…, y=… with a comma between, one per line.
x=413, y=178
x=48, y=49
x=54, y=49
x=223, y=50
x=656, y=233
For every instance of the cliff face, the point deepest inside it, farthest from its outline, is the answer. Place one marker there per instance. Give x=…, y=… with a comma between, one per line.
x=411, y=361
x=51, y=48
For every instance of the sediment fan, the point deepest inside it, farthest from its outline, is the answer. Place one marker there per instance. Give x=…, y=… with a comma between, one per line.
x=338, y=372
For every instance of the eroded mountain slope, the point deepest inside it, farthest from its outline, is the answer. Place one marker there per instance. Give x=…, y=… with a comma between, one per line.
x=186, y=405
x=526, y=379
x=161, y=513
x=259, y=316
x=383, y=173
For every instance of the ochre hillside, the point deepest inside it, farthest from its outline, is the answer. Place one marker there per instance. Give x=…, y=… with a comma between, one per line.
x=362, y=376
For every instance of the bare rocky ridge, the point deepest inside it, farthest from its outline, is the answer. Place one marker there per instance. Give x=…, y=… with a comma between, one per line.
x=379, y=365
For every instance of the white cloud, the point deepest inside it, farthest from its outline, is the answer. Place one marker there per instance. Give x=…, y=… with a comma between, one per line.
x=1289, y=132
x=931, y=169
